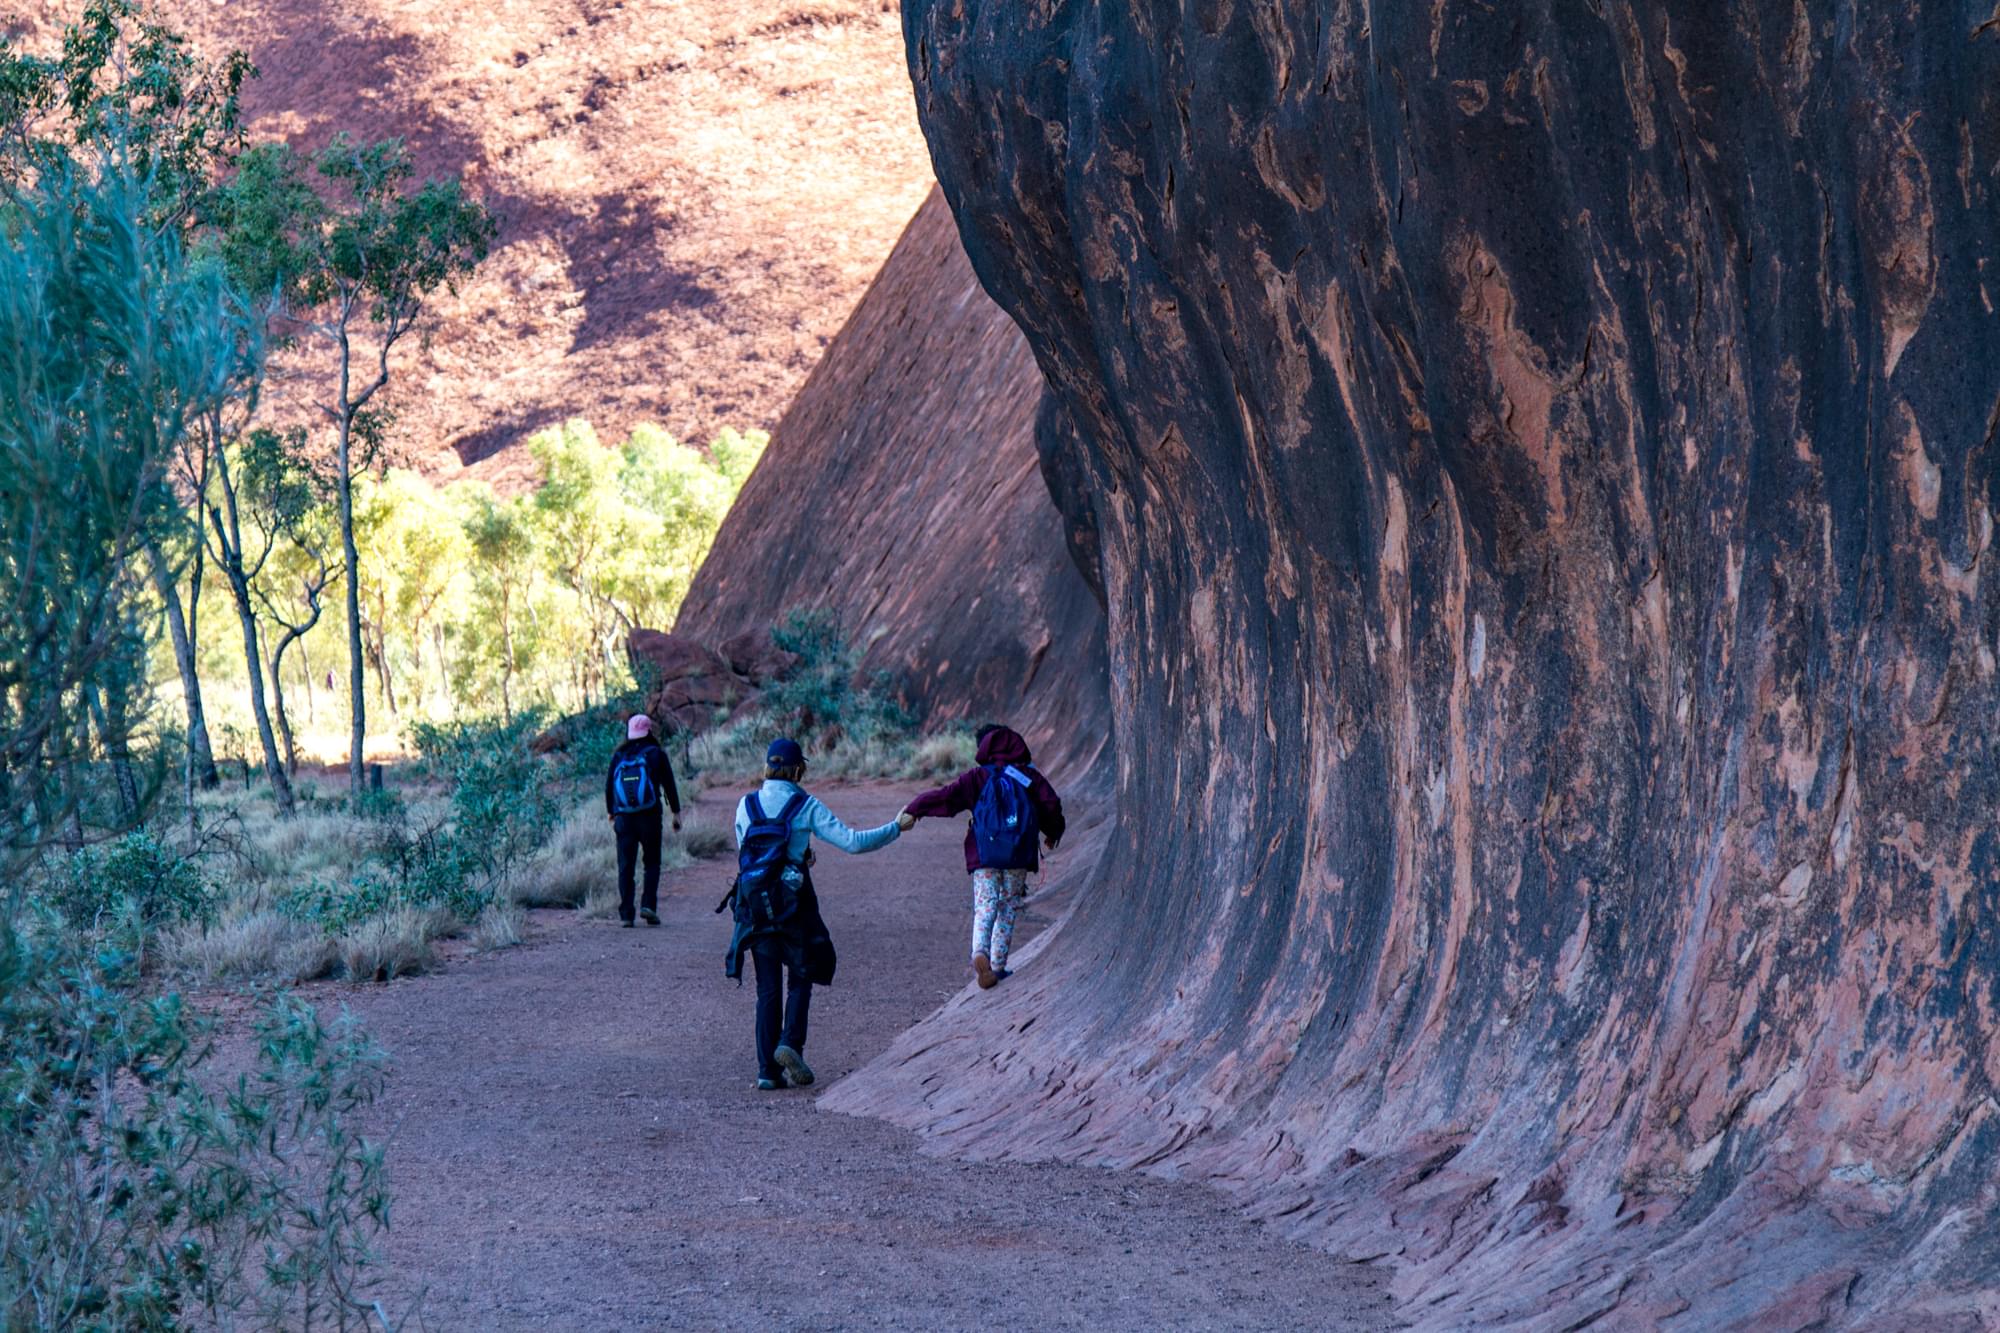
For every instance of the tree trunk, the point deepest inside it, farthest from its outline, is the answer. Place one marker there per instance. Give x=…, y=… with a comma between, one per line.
x=378, y=653
x=1543, y=462
x=279, y=717
x=275, y=767
x=306, y=666
x=109, y=719
x=357, y=776
x=200, y=761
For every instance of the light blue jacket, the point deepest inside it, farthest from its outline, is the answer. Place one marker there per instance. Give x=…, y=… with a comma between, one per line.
x=813, y=818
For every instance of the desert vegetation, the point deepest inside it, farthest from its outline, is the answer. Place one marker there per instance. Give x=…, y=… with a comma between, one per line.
x=161, y=278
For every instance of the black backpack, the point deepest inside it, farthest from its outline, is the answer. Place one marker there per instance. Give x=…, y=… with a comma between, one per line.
x=768, y=881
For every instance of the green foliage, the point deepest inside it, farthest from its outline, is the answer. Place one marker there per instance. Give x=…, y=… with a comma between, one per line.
x=125, y=90
x=110, y=344
x=500, y=802
x=825, y=689
x=501, y=811
x=140, y=1189
x=135, y=879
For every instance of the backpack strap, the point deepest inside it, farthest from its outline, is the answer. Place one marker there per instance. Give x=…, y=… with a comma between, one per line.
x=756, y=808
x=792, y=808
x=1019, y=776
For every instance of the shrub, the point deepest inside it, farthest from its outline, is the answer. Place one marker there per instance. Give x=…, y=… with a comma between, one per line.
x=251, y=945
x=821, y=694
x=135, y=878
x=704, y=838
x=501, y=926
x=131, y=1196
x=500, y=803
x=393, y=944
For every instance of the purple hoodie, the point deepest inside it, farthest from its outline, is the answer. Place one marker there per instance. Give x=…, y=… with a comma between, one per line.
x=1001, y=746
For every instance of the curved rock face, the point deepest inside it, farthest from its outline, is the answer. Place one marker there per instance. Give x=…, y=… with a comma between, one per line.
x=1542, y=462
x=902, y=491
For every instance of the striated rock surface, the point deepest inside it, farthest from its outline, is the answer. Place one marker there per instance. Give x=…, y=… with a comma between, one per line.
x=1541, y=458
x=903, y=492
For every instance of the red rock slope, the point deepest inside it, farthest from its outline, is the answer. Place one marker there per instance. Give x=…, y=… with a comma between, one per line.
x=694, y=195
x=903, y=491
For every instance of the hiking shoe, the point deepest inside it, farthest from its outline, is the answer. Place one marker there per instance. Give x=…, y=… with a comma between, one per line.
x=649, y=916
x=1002, y=974
x=770, y=1084
x=983, y=965
x=796, y=1069
x=626, y=922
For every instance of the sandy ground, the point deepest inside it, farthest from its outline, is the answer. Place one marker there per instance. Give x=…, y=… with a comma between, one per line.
x=575, y=1144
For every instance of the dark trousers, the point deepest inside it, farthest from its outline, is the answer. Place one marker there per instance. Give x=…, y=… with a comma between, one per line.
x=638, y=833
x=773, y=976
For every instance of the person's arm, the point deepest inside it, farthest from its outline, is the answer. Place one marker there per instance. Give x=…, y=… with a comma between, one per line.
x=610, y=809
x=826, y=826
x=663, y=774
x=742, y=819
x=1048, y=808
x=954, y=798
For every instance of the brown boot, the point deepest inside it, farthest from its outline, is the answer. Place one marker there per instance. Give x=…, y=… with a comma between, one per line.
x=983, y=965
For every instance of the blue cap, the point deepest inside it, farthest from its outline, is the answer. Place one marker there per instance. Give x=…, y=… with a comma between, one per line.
x=784, y=753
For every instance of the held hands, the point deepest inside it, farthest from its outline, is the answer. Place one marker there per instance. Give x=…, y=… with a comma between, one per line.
x=906, y=821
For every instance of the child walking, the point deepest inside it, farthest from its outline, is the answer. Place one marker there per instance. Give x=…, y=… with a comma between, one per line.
x=1011, y=803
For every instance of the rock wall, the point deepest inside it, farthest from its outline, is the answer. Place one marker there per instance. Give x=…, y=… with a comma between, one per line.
x=1542, y=462
x=903, y=491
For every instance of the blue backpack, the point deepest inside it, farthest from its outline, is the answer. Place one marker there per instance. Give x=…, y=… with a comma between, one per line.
x=767, y=880
x=1003, y=821
x=632, y=790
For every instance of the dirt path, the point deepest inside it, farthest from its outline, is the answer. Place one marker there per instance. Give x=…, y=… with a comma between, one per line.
x=575, y=1145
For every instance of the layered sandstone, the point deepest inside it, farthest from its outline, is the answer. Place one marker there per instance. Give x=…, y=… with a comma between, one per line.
x=904, y=493
x=1541, y=462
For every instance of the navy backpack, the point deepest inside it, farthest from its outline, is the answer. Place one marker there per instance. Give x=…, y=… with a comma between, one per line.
x=632, y=790
x=767, y=881
x=1003, y=822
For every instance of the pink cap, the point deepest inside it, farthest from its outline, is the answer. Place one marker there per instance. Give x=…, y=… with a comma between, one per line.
x=640, y=725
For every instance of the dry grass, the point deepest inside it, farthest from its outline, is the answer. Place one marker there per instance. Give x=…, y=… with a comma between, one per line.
x=500, y=926
x=251, y=944
x=396, y=944
x=580, y=856
x=703, y=836
x=259, y=859
x=735, y=754
x=601, y=905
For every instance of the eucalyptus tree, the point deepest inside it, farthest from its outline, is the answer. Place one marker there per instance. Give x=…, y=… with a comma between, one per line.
x=351, y=254
x=111, y=345
x=121, y=87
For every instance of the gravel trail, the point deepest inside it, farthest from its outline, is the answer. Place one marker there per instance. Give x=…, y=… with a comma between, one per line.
x=574, y=1144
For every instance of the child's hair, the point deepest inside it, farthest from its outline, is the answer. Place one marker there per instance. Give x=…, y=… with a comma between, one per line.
x=788, y=773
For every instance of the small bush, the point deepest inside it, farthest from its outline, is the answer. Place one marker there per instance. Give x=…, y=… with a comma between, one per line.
x=135, y=878
x=394, y=944
x=501, y=926
x=131, y=1196
x=820, y=693
x=703, y=837
x=253, y=945
x=581, y=855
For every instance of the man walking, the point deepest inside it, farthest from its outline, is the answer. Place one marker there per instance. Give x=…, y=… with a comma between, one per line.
x=641, y=777
x=778, y=922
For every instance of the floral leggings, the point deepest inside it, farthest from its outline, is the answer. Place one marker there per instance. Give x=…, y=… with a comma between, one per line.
x=996, y=896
